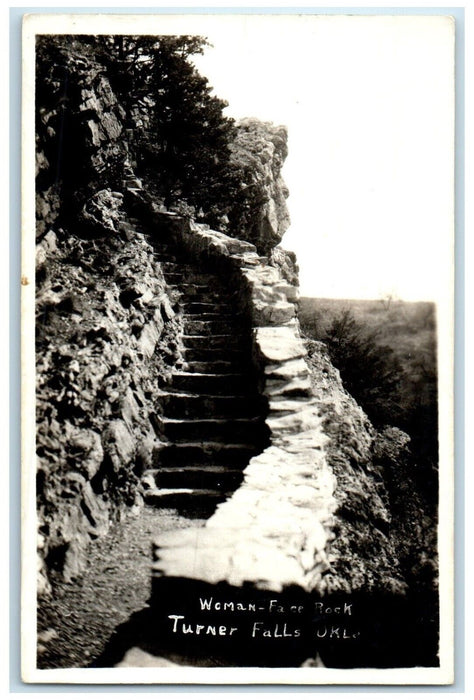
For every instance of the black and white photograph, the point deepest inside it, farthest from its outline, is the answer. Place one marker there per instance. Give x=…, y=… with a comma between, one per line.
x=237, y=322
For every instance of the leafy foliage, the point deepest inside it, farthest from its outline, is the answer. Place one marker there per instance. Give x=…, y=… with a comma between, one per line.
x=369, y=371
x=188, y=141
x=387, y=360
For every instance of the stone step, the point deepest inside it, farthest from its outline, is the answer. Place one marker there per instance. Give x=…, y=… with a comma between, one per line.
x=187, y=405
x=232, y=354
x=194, y=292
x=208, y=308
x=205, y=295
x=238, y=366
x=183, y=268
x=213, y=384
x=217, y=326
x=213, y=477
x=224, y=340
x=193, y=503
x=238, y=454
x=185, y=430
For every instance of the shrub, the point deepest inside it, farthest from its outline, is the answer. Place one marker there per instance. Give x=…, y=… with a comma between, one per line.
x=370, y=372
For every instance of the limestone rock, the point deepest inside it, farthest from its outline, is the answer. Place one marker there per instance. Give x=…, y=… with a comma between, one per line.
x=96, y=511
x=365, y=547
x=111, y=125
x=290, y=291
x=87, y=449
x=98, y=362
x=102, y=212
x=42, y=162
x=288, y=370
x=274, y=314
x=285, y=261
x=297, y=386
x=292, y=423
x=148, y=340
x=46, y=247
x=262, y=147
x=284, y=405
x=129, y=408
x=92, y=107
x=47, y=204
x=278, y=344
x=118, y=444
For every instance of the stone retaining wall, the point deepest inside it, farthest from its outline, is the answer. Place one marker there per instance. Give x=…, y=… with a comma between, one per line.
x=274, y=530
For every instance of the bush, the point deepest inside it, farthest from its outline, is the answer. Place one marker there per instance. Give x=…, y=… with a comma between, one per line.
x=390, y=393
x=370, y=372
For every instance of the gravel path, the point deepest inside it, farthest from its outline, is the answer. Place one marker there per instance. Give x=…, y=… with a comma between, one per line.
x=77, y=621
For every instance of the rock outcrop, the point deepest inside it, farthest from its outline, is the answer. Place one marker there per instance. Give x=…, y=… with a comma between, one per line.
x=260, y=148
x=364, y=550
x=82, y=145
x=105, y=328
x=105, y=336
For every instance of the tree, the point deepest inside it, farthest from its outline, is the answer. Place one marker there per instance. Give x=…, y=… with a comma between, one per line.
x=187, y=149
x=177, y=135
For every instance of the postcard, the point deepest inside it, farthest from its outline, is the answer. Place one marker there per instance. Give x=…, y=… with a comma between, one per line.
x=237, y=348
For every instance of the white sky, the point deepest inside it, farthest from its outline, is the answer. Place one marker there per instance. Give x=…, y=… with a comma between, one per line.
x=369, y=106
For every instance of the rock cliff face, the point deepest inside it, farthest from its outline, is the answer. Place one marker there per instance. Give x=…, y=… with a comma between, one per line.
x=363, y=551
x=106, y=328
x=80, y=132
x=104, y=340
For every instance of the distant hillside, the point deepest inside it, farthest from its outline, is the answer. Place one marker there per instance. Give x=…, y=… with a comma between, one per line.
x=409, y=330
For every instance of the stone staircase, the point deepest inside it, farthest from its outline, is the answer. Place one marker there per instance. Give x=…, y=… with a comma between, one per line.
x=212, y=417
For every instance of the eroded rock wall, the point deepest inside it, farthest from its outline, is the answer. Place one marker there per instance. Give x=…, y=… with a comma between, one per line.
x=364, y=552
x=81, y=140
x=105, y=336
x=105, y=325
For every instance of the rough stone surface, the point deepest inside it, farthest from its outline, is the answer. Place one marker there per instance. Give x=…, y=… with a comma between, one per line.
x=262, y=147
x=102, y=212
x=105, y=323
x=285, y=260
x=279, y=344
x=90, y=119
x=96, y=378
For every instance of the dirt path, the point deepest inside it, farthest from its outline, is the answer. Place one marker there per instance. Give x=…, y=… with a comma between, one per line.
x=77, y=621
